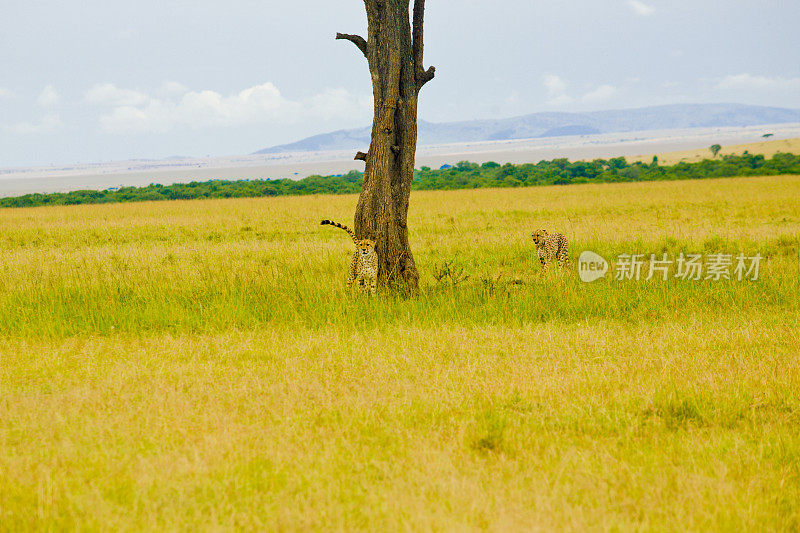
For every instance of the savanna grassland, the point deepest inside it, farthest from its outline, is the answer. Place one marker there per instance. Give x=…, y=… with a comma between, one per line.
x=201, y=365
x=765, y=148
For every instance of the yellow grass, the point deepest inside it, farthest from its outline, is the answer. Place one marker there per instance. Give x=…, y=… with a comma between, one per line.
x=200, y=366
x=766, y=148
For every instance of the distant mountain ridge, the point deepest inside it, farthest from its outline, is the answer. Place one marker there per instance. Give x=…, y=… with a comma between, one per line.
x=665, y=117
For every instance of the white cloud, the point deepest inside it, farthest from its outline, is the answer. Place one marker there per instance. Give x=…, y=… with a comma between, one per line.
x=49, y=124
x=107, y=94
x=5, y=93
x=554, y=84
x=556, y=90
x=49, y=97
x=602, y=93
x=750, y=81
x=334, y=103
x=640, y=8
x=171, y=89
x=175, y=106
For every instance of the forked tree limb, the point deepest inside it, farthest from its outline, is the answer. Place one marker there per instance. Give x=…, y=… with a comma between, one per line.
x=421, y=75
x=357, y=40
x=425, y=77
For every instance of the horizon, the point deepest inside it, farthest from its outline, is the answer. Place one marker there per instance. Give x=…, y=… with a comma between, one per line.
x=421, y=120
x=107, y=81
x=368, y=125
x=639, y=145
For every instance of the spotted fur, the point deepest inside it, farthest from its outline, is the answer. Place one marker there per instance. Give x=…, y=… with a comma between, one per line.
x=551, y=247
x=364, y=266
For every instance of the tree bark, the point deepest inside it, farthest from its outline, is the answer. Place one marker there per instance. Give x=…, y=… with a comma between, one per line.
x=394, y=52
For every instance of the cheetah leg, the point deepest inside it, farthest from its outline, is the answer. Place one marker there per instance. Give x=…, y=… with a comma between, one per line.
x=373, y=285
x=563, y=259
x=362, y=284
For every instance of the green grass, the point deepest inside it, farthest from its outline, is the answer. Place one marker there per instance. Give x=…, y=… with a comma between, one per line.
x=215, y=303
x=201, y=365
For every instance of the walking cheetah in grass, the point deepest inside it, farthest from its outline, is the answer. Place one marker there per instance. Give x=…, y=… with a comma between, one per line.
x=550, y=247
x=364, y=266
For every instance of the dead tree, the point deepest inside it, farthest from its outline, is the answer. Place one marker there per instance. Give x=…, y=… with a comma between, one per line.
x=393, y=49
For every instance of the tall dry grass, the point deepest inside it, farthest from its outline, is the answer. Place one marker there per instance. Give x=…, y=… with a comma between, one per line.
x=200, y=365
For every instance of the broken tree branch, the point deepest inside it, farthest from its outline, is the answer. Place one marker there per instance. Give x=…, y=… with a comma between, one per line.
x=357, y=40
x=425, y=77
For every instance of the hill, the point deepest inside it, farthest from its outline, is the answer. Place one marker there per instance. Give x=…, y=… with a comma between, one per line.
x=561, y=124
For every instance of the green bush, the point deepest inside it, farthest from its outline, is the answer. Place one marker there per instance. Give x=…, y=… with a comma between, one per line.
x=464, y=175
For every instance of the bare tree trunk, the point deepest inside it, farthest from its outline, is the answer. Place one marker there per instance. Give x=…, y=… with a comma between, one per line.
x=394, y=52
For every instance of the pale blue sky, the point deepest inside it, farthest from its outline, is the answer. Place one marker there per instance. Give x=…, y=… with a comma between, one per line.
x=96, y=80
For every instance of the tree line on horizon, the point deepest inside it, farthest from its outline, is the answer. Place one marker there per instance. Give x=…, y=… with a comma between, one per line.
x=463, y=175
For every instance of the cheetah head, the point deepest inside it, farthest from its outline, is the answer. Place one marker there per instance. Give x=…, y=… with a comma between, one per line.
x=538, y=236
x=366, y=246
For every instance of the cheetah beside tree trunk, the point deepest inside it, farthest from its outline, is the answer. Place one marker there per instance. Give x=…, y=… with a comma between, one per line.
x=364, y=266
